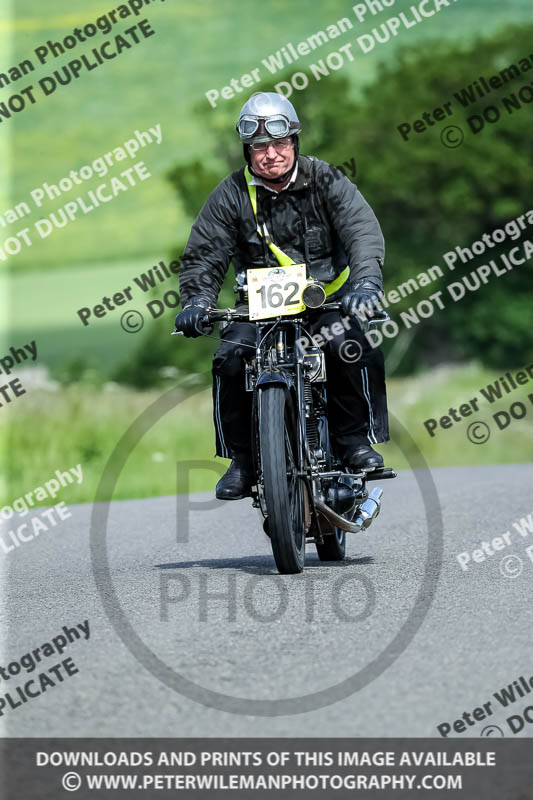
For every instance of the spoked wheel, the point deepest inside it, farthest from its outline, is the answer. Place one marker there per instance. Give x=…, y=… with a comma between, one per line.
x=333, y=547
x=285, y=493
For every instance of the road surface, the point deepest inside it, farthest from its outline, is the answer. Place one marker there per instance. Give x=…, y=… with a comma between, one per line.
x=386, y=644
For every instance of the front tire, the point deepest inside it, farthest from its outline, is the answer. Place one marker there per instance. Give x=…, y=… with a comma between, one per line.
x=285, y=493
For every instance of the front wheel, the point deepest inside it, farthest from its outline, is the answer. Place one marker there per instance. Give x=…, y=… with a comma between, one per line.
x=285, y=493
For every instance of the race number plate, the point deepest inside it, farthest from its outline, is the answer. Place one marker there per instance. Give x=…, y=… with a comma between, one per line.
x=276, y=292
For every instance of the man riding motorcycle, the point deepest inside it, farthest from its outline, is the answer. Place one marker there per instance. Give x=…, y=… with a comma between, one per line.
x=283, y=207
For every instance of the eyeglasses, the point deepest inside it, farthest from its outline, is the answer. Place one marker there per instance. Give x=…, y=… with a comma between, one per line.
x=277, y=144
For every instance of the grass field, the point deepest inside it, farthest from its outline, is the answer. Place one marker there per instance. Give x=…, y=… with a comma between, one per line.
x=49, y=430
x=43, y=306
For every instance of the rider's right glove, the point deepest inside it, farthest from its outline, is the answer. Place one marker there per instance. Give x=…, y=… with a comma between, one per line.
x=188, y=320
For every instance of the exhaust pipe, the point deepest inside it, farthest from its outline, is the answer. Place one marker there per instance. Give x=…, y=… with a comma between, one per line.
x=366, y=514
x=370, y=508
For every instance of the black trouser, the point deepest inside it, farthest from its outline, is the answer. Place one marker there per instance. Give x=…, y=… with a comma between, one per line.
x=357, y=401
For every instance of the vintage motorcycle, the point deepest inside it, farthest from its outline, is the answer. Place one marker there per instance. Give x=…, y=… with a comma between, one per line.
x=303, y=491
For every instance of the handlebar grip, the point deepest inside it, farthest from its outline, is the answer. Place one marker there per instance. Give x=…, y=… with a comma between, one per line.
x=204, y=324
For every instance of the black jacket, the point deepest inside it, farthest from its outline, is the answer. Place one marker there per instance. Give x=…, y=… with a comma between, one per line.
x=321, y=219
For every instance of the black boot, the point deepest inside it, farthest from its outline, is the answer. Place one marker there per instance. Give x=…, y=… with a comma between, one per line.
x=238, y=480
x=363, y=457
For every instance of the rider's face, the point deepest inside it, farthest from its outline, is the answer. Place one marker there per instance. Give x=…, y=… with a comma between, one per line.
x=272, y=162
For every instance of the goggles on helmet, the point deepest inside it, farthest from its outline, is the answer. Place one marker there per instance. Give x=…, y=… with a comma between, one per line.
x=275, y=126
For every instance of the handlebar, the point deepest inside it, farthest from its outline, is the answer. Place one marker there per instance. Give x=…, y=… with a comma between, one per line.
x=231, y=315
x=377, y=316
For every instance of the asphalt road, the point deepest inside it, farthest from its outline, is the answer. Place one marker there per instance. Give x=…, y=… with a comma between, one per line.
x=407, y=646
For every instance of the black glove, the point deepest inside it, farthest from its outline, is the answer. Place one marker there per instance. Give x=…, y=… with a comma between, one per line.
x=362, y=293
x=189, y=319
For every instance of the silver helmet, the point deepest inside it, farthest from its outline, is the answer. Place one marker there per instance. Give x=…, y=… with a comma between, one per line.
x=267, y=115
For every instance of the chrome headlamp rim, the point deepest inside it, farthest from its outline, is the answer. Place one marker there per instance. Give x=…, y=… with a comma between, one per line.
x=316, y=295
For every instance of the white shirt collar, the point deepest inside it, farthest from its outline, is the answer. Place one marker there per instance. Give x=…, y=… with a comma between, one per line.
x=258, y=182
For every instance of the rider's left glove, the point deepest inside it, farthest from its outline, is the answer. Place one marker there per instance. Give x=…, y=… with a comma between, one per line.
x=361, y=297
x=189, y=319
